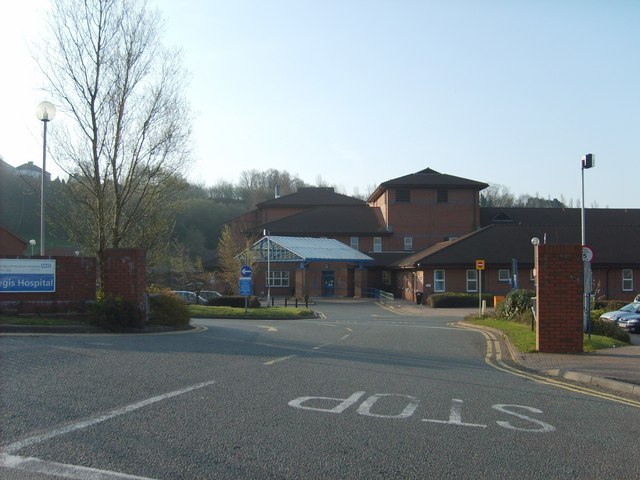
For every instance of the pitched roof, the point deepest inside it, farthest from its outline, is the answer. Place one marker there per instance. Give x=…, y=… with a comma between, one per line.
x=311, y=196
x=306, y=249
x=558, y=216
x=612, y=245
x=331, y=220
x=427, y=178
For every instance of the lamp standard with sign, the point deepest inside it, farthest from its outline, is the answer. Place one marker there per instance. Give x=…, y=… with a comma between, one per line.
x=588, y=161
x=45, y=113
x=480, y=266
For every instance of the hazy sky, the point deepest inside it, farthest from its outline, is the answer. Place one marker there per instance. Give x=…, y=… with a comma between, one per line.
x=356, y=92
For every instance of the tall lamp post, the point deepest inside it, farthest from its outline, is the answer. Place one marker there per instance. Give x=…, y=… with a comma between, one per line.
x=588, y=161
x=268, y=235
x=45, y=113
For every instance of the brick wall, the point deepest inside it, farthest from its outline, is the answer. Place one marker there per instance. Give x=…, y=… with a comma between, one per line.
x=75, y=284
x=125, y=274
x=559, y=298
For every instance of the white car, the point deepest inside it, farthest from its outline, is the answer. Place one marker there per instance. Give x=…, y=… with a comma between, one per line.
x=189, y=297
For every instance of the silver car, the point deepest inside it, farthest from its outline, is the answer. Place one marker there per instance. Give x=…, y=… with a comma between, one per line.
x=632, y=310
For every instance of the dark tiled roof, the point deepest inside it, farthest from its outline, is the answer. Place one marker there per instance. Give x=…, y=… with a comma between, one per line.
x=558, y=216
x=331, y=221
x=312, y=196
x=427, y=178
x=498, y=244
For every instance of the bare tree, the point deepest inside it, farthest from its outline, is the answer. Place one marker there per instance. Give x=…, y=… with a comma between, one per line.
x=125, y=132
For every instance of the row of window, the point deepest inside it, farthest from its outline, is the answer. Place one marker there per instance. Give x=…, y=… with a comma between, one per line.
x=281, y=279
x=504, y=275
x=377, y=243
x=403, y=195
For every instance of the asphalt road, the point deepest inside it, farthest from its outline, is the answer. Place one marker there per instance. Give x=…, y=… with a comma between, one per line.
x=362, y=393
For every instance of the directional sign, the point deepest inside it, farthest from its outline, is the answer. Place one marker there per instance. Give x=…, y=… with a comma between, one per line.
x=245, y=271
x=479, y=264
x=246, y=287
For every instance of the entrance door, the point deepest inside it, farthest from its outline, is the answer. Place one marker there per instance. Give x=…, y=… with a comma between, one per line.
x=328, y=289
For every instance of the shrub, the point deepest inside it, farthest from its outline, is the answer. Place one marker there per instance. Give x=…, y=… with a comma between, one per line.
x=168, y=310
x=456, y=300
x=115, y=314
x=236, y=301
x=516, y=304
x=609, y=329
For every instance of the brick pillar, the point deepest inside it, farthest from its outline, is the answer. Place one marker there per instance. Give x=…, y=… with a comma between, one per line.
x=125, y=275
x=559, y=298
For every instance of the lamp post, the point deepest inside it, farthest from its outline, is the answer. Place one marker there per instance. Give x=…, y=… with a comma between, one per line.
x=45, y=113
x=267, y=234
x=588, y=161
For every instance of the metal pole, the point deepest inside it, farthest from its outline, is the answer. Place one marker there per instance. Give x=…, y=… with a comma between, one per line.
x=44, y=169
x=268, y=268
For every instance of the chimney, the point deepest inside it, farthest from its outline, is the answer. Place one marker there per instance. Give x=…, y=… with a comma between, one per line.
x=277, y=192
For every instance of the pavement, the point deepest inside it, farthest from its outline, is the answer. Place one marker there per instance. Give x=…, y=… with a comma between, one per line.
x=615, y=369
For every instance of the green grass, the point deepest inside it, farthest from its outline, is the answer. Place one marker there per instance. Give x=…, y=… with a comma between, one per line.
x=36, y=320
x=524, y=340
x=265, y=313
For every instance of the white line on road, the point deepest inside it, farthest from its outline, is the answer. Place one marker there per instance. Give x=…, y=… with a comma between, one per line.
x=269, y=329
x=278, y=360
x=77, y=472
x=56, y=432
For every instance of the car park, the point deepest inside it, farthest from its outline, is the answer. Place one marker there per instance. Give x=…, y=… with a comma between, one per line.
x=629, y=311
x=190, y=297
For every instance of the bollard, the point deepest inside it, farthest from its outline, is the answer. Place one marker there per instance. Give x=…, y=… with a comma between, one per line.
x=285, y=301
x=296, y=302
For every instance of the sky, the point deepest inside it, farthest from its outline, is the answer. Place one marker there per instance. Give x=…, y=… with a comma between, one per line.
x=352, y=93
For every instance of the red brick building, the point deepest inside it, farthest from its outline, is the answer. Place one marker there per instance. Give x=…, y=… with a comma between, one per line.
x=426, y=230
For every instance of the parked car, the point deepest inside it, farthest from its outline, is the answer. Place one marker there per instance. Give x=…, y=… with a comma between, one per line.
x=631, y=310
x=189, y=297
x=630, y=324
x=209, y=294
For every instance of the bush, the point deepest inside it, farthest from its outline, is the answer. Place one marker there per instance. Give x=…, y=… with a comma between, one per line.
x=236, y=301
x=609, y=329
x=456, y=300
x=168, y=310
x=515, y=305
x=115, y=314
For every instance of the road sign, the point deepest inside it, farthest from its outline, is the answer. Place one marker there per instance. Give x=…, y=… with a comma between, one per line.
x=480, y=264
x=246, y=287
x=587, y=254
x=245, y=271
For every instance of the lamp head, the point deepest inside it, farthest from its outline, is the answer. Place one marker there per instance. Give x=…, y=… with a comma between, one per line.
x=46, y=111
x=535, y=241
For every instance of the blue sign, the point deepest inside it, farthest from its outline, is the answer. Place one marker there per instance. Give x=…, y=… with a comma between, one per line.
x=27, y=275
x=245, y=271
x=246, y=286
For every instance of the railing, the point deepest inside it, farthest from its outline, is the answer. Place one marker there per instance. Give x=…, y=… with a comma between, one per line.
x=384, y=297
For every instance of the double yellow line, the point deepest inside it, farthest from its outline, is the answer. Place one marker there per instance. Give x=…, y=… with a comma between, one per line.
x=493, y=357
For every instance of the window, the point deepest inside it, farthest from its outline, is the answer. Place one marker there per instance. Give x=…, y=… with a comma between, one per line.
x=504, y=275
x=438, y=281
x=279, y=279
x=443, y=196
x=377, y=244
x=386, y=277
x=403, y=195
x=354, y=243
x=627, y=279
x=408, y=243
x=472, y=280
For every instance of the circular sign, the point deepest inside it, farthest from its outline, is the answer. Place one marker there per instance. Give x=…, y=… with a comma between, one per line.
x=245, y=271
x=587, y=254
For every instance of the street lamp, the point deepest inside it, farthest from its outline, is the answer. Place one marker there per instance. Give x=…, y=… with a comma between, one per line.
x=588, y=161
x=32, y=242
x=267, y=234
x=45, y=113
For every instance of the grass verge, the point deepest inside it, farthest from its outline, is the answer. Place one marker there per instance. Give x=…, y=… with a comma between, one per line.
x=524, y=340
x=266, y=313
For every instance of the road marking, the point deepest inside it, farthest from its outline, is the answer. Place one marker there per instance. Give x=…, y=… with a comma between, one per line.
x=56, y=432
x=278, y=360
x=269, y=329
x=493, y=357
x=36, y=465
